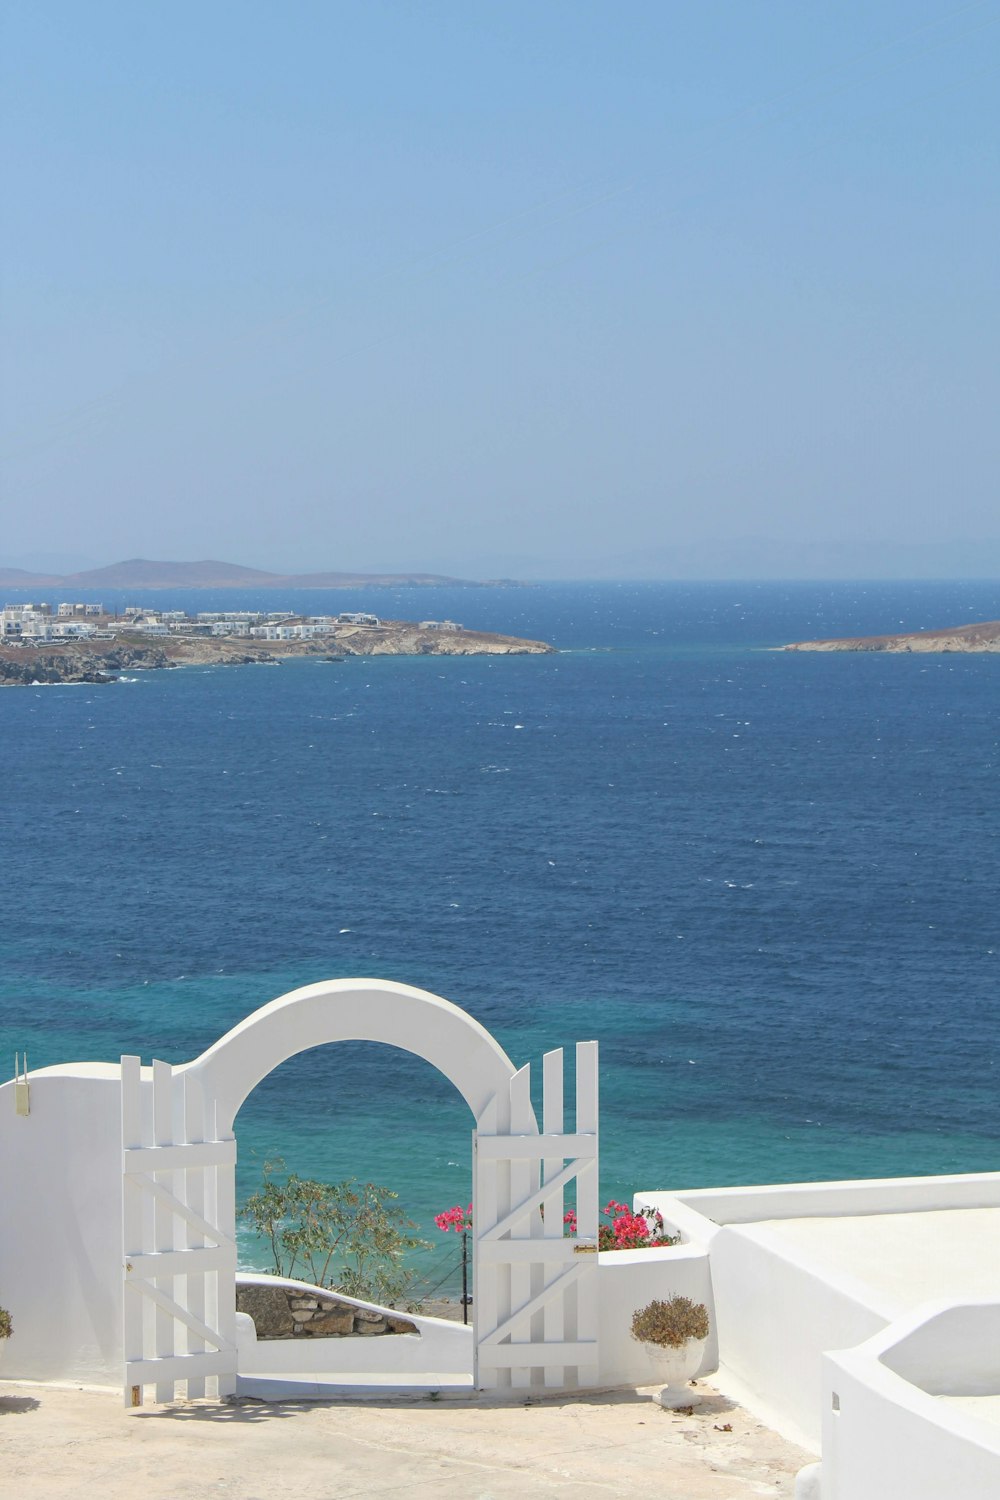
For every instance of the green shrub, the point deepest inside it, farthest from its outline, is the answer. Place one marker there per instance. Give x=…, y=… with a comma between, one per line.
x=346, y=1235
x=6, y=1326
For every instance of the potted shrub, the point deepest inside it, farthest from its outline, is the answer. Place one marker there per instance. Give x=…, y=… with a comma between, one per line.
x=675, y=1333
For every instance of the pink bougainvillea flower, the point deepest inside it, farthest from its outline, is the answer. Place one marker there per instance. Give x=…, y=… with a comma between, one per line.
x=457, y=1218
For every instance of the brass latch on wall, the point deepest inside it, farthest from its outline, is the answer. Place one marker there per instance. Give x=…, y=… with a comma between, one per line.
x=22, y=1095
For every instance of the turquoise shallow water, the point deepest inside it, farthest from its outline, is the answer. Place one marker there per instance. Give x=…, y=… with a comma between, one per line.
x=766, y=883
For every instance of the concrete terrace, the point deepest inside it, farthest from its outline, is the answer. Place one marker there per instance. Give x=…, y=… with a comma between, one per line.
x=62, y=1444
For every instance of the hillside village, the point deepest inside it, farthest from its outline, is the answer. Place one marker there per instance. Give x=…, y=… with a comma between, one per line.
x=85, y=643
x=35, y=623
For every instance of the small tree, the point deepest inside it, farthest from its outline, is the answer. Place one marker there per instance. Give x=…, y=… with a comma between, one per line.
x=6, y=1326
x=345, y=1235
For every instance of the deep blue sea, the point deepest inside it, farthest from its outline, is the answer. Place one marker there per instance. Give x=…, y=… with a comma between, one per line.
x=766, y=883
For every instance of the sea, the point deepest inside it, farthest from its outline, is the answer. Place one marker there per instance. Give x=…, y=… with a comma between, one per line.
x=765, y=882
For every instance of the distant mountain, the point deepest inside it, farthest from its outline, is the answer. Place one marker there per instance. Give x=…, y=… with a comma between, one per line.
x=141, y=573
x=19, y=578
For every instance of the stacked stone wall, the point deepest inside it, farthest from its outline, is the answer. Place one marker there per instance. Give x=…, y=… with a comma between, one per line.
x=280, y=1312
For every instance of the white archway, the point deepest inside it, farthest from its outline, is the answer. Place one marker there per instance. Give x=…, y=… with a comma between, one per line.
x=353, y=1010
x=536, y=1298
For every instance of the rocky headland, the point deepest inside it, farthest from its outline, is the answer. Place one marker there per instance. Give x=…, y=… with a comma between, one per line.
x=962, y=638
x=102, y=661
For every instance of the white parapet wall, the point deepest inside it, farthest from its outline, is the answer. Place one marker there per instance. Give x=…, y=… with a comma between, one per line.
x=915, y=1411
x=798, y=1270
x=628, y=1280
x=438, y=1352
x=61, y=1226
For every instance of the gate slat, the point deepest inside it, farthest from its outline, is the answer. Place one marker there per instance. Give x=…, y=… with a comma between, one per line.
x=484, y=1196
x=225, y=1300
x=163, y=1158
x=522, y=1185
x=194, y=1237
x=502, y=1356
x=132, y=1303
x=534, y=1200
x=533, y=1305
x=554, y=1321
x=181, y=1367
x=175, y=1312
x=163, y=1228
x=170, y=1263
x=587, y=1189
x=536, y=1147
x=179, y=1209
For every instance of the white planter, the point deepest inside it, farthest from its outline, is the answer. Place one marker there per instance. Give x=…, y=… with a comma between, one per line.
x=675, y=1367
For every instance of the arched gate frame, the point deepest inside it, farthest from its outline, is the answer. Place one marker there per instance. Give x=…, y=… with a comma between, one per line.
x=535, y=1315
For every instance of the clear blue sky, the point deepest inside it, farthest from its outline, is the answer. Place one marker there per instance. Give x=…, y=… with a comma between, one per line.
x=487, y=286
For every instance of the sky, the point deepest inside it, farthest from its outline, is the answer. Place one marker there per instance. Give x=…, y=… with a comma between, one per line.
x=530, y=288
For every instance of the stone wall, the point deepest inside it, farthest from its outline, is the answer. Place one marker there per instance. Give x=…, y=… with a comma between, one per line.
x=280, y=1312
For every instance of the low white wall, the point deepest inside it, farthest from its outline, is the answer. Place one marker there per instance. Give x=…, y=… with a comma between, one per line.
x=446, y=1353
x=885, y=1436
x=60, y=1226
x=447, y=1357
x=776, y=1313
x=627, y=1280
x=776, y=1318
x=439, y=1347
x=700, y=1210
x=949, y=1350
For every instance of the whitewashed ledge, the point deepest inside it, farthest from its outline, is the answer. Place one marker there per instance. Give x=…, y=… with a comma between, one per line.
x=430, y=1352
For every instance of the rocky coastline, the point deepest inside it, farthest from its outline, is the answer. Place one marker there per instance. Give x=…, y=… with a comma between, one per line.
x=981, y=637
x=90, y=661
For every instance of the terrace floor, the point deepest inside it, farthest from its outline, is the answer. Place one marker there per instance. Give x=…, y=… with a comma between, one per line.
x=67, y=1444
x=898, y=1259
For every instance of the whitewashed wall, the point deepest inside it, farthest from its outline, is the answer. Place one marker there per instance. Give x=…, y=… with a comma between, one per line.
x=704, y=1210
x=777, y=1318
x=631, y=1278
x=439, y=1349
x=886, y=1430
x=60, y=1226
x=778, y=1312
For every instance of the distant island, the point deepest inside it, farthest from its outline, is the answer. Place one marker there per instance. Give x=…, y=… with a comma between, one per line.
x=964, y=638
x=141, y=573
x=83, y=644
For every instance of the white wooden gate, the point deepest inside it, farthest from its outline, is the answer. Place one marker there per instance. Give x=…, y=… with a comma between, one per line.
x=535, y=1308
x=178, y=1301
x=535, y=1288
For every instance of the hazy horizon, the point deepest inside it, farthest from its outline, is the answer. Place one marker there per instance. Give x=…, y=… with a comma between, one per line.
x=957, y=562
x=543, y=292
